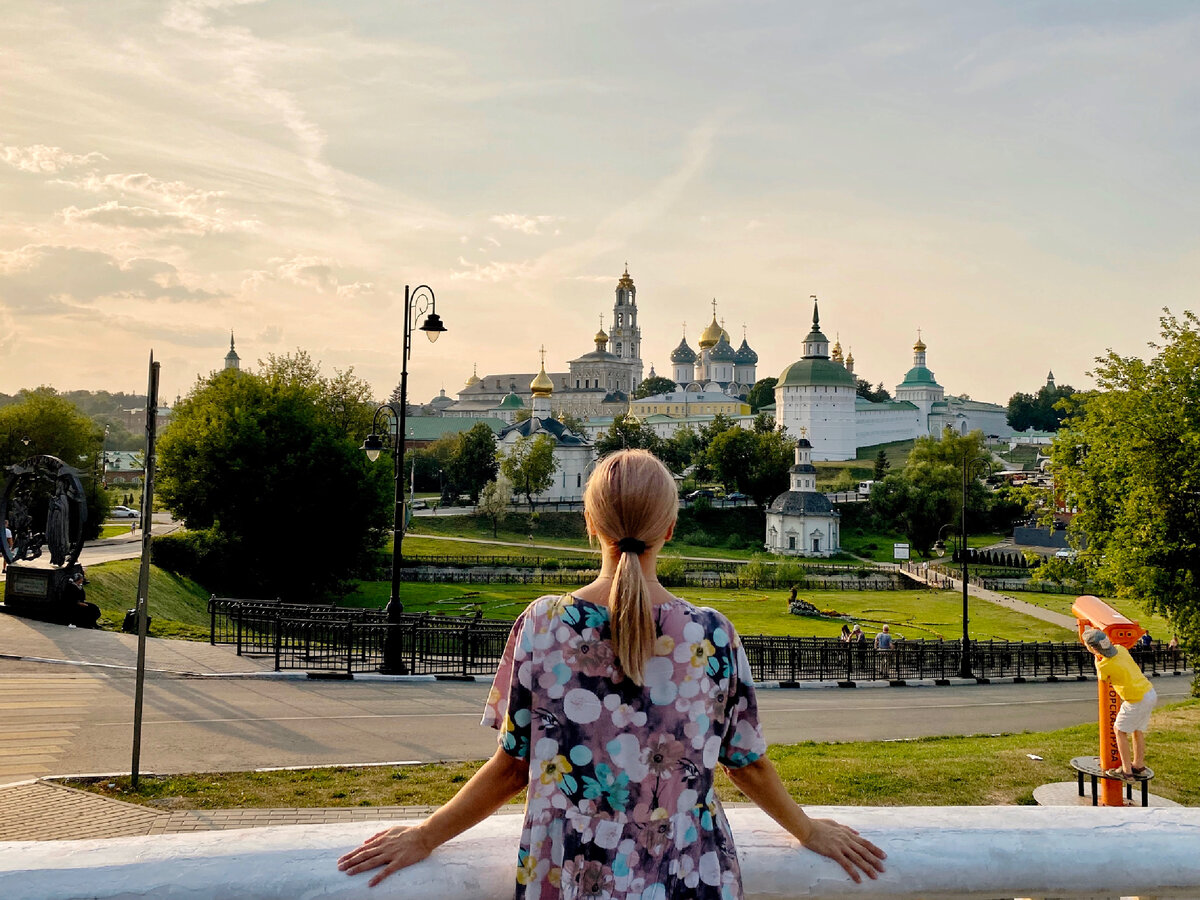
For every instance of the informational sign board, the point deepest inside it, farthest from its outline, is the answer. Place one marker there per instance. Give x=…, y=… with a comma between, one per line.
x=899, y=551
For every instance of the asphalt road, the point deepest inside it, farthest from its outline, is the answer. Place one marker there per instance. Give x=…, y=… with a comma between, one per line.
x=81, y=720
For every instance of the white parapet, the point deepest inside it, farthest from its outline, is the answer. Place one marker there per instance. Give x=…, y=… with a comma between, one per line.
x=943, y=852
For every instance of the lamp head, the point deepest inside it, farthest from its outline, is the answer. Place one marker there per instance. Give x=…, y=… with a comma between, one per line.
x=372, y=446
x=433, y=327
x=940, y=547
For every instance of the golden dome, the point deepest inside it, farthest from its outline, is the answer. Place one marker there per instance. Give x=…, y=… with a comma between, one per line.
x=711, y=335
x=601, y=337
x=474, y=379
x=836, y=355
x=541, y=385
x=625, y=281
x=850, y=358
x=919, y=346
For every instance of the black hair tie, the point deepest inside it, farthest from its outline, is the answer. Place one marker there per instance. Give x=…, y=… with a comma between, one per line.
x=631, y=545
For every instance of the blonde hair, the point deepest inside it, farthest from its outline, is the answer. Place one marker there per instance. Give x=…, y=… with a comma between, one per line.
x=631, y=498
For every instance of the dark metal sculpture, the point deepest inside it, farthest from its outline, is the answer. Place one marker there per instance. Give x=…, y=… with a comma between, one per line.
x=44, y=505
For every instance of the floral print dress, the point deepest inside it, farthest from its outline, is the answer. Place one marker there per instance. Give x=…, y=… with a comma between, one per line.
x=621, y=802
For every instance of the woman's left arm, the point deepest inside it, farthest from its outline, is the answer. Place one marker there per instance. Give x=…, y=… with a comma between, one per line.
x=499, y=780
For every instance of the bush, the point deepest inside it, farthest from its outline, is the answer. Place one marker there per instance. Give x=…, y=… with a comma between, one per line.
x=757, y=571
x=789, y=573
x=671, y=569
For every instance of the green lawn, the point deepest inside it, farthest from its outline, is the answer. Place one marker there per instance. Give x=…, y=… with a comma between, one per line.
x=877, y=546
x=178, y=606
x=107, y=531
x=943, y=771
x=1159, y=628
x=913, y=614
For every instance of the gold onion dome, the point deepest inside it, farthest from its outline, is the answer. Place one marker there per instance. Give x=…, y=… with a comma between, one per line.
x=474, y=379
x=711, y=335
x=625, y=281
x=919, y=345
x=601, y=337
x=541, y=385
x=837, y=350
x=850, y=358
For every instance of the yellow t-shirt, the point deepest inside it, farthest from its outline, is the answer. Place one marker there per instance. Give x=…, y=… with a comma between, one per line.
x=1124, y=675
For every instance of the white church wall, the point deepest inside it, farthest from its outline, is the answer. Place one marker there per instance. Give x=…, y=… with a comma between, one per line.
x=884, y=425
x=953, y=853
x=825, y=414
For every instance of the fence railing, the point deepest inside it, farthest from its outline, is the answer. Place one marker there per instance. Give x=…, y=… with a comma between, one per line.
x=550, y=563
x=323, y=639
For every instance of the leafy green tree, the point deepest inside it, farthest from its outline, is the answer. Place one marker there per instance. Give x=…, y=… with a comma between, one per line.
x=629, y=433
x=529, y=465
x=877, y=394
x=54, y=426
x=882, y=464
x=928, y=494
x=762, y=394
x=680, y=449
x=493, y=502
x=754, y=462
x=764, y=422
x=262, y=465
x=474, y=461
x=1043, y=411
x=651, y=386
x=1128, y=457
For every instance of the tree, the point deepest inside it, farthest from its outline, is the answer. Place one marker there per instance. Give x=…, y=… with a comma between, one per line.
x=628, y=433
x=754, y=462
x=680, y=449
x=1043, y=411
x=882, y=464
x=762, y=394
x=1128, y=457
x=473, y=463
x=493, y=502
x=878, y=394
x=529, y=465
x=651, y=386
x=54, y=426
x=928, y=494
x=267, y=468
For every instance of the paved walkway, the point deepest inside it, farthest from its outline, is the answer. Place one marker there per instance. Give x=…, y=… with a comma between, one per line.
x=46, y=811
x=26, y=638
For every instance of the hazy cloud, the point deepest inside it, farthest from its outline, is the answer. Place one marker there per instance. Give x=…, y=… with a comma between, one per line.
x=41, y=158
x=524, y=224
x=316, y=273
x=492, y=272
x=40, y=278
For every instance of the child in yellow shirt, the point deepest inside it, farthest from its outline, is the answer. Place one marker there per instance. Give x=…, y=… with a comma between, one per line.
x=1117, y=667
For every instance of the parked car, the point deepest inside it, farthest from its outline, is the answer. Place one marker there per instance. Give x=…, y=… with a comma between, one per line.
x=737, y=496
x=122, y=512
x=703, y=492
x=1066, y=553
x=419, y=504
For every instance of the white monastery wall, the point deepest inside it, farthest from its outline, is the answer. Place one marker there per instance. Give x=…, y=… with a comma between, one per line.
x=826, y=415
x=882, y=426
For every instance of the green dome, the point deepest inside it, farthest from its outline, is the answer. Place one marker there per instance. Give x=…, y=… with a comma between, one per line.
x=919, y=376
x=815, y=371
x=512, y=401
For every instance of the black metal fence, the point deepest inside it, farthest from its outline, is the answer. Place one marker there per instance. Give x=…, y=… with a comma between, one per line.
x=550, y=563
x=841, y=581
x=337, y=640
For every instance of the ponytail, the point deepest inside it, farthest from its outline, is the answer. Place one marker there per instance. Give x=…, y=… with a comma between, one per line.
x=632, y=623
x=631, y=502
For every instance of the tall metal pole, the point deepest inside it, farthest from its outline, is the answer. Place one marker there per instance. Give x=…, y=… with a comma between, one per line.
x=144, y=573
x=393, y=664
x=964, y=668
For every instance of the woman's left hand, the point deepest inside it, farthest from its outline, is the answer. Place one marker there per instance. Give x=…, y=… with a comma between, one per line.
x=394, y=849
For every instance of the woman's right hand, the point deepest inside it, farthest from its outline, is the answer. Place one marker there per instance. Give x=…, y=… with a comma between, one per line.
x=394, y=849
x=846, y=847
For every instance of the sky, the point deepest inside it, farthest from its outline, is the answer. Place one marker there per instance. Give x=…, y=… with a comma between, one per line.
x=1016, y=179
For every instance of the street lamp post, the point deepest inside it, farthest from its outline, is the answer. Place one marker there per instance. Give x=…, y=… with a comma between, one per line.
x=970, y=467
x=417, y=301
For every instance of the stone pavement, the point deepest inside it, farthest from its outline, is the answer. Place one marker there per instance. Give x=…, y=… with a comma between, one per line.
x=47, y=811
x=27, y=639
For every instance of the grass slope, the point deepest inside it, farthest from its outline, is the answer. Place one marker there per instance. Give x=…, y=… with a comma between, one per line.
x=941, y=771
x=178, y=606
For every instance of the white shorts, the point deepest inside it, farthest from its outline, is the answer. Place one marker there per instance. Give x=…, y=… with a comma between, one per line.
x=1136, y=716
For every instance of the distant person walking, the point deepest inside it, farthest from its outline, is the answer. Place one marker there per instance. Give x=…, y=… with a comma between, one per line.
x=883, y=642
x=8, y=543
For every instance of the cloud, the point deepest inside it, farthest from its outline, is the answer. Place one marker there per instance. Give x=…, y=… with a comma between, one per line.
x=524, y=224
x=187, y=210
x=113, y=214
x=42, y=278
x=492, y=272
x=41, y=158
x=316, y=273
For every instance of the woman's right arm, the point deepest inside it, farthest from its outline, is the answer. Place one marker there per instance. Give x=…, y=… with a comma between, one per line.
x=499, y=780
x=761, y=783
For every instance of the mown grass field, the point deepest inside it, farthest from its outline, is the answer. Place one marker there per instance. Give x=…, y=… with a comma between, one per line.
x=1159, y=628
x=912, y=614
x=942, y=771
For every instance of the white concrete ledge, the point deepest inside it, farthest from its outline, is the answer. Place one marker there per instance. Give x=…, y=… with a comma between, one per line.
x=943, y=852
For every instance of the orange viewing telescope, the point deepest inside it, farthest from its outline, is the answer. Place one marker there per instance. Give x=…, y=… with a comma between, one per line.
x=1092, y=612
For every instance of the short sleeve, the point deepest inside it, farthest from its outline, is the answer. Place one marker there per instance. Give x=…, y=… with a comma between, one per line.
x=509, y=705
x=743, y=741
